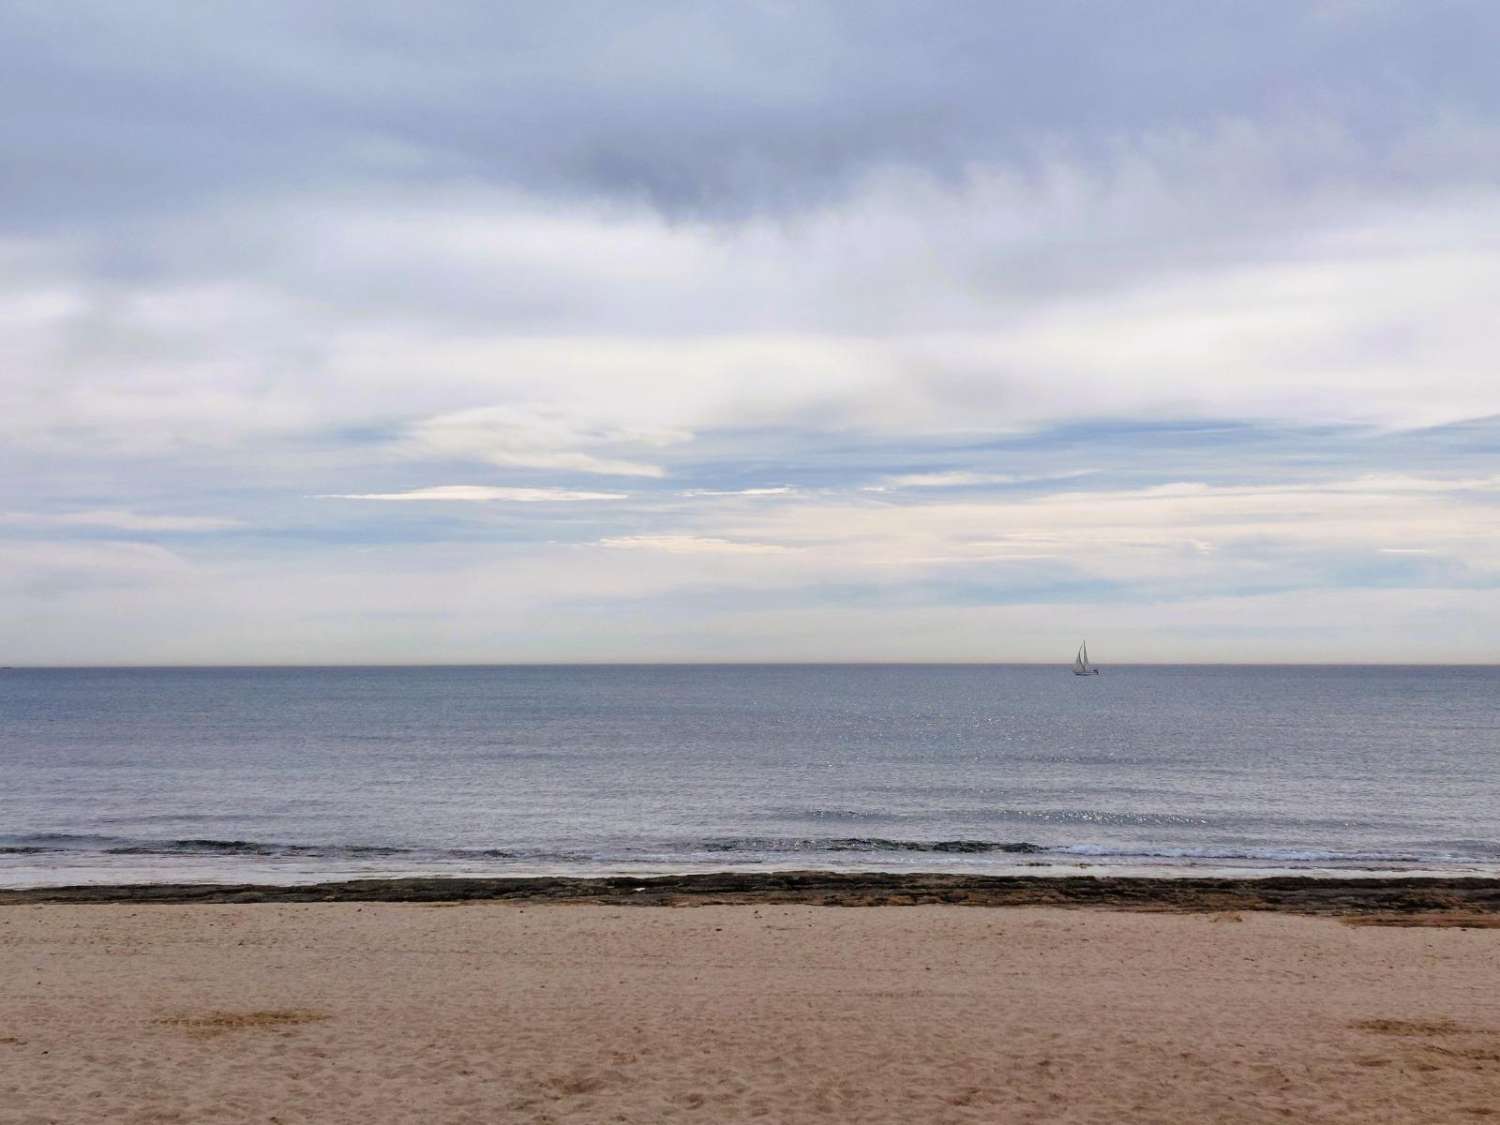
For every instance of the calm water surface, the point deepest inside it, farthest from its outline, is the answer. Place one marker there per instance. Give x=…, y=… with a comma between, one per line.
x=300, y=774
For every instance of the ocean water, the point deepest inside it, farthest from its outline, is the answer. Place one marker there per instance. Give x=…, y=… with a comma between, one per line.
x=291, y=775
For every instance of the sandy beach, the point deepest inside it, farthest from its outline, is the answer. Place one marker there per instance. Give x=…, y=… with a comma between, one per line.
x=494, y=1011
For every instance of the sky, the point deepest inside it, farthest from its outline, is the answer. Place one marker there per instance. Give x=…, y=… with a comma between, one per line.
x=379, y=332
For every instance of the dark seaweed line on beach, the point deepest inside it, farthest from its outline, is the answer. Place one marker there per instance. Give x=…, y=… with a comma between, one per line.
x=1293, y=894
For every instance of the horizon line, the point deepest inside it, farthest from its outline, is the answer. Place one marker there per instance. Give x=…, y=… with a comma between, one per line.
x=1059, y=663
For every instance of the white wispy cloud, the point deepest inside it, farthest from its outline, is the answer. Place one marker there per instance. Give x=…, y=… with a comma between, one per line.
x=478, y=493
x=1365, y=484
x=539, y=438
x=1209, y=532
x=120, y=520
x=960, y=478
x=691, y=545
x=779, y=490
x=954, y=479
x=54, y=569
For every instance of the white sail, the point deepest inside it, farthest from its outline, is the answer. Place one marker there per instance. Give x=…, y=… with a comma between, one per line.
x=1081, y=665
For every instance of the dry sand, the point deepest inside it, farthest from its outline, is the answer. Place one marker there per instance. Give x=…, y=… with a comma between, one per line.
x=493, y=1012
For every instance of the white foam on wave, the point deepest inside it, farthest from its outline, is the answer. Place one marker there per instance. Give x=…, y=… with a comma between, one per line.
x=1253, y=855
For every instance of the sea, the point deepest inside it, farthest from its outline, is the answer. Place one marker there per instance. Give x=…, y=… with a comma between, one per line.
x=295, y=775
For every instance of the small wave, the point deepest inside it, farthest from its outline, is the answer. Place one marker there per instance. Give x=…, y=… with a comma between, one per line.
x=33, y=843
x=249, y=847
x=1487, y=849
x=748, y=850
x=1249, y=855
x=1123, y=853
x=57, y=843
x=869, y=844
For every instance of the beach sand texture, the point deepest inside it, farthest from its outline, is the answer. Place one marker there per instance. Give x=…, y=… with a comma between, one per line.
x=487, y=1012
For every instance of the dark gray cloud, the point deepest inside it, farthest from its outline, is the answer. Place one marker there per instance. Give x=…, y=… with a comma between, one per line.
x=116, y=109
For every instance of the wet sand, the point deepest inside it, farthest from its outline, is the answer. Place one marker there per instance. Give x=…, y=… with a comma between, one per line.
x=498, y=1011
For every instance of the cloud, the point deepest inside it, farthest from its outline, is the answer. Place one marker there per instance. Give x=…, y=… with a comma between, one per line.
x=535, y=438
x=959, y=478
x=1344, y=319
x=120, y=520
x=779, y=490
x=954, y=479
x=691, y=545
x=696, y=111
x=1195, y=532
x=903, y=271
x=48, y=571
x=475, y=493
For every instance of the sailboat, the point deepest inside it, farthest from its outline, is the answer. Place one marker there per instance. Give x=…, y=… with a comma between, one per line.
x=1081, y=665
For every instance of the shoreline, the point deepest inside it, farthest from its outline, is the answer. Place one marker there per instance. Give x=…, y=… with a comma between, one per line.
x=1320, y=895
